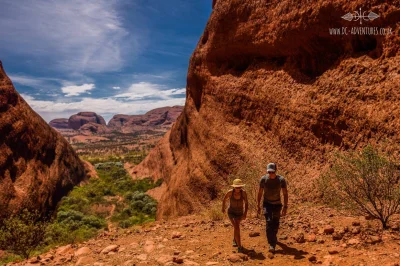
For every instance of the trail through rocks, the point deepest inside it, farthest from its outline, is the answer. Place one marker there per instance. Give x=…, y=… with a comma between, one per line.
x=307, y=236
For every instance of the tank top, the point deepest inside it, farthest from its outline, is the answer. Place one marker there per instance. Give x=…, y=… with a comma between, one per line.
x=236, y=205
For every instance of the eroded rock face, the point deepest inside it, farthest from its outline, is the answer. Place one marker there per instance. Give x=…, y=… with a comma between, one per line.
x=37, y=165
x=160, y=118
x=82, y=118
x=267, y=82
x=94, y=128
x=59, y=123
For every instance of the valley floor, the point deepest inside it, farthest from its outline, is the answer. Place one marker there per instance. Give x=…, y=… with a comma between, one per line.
x=305, y=238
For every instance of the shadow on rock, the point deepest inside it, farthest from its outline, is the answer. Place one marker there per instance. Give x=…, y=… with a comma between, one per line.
x=253, y=255
x=286, y=250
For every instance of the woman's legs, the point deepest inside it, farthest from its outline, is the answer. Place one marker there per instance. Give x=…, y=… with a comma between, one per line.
x=236, y=229
x=233, y=224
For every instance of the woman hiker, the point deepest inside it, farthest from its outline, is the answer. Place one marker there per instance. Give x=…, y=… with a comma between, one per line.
x=237, y=210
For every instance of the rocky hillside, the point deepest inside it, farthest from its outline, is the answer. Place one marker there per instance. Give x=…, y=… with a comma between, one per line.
x=160, y=118
x=82, y=118
x=37, y=165
x=267, y=82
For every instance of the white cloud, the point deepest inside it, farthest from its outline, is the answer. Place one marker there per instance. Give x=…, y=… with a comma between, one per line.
x=32, y=81
x=107, y=107
x=141, y=90
x=77, y=90
x=116, y=88
x=75, y=35
x=137, y=99
x=26, y=80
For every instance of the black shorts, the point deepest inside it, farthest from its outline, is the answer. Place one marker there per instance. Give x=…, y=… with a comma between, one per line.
x=235, y=215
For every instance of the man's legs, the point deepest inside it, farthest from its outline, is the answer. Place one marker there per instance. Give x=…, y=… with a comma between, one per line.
x=272, y=216
x=276, y=215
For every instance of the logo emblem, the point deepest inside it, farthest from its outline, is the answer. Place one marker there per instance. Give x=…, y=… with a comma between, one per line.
x=360, y=16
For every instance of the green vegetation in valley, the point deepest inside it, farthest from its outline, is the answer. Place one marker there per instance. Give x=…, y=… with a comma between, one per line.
x=113, y=197
x=133, y=157
x=86, y=209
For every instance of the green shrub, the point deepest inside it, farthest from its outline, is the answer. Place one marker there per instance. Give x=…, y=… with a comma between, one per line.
x=365, y=183
x=108, y=165
x=250, y=175
x=60, y=234
x=22, y=233
x=10, y=258
x=214, y=212
x=140, y=219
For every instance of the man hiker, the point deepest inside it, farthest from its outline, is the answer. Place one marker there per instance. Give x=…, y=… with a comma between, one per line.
x=271, y=185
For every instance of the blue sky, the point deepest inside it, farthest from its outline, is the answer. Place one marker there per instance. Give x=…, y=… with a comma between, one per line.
x=107, y=56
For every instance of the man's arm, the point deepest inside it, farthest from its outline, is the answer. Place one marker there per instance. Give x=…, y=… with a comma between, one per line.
x=246, y=204
x=259, y=196
x=285, y=197
x=285, y=201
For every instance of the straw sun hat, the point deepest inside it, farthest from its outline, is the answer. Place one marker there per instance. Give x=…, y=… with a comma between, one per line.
x=237, y=183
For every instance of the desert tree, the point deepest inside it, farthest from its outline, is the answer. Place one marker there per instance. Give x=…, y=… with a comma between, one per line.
x=365, y=182
x=250, y=173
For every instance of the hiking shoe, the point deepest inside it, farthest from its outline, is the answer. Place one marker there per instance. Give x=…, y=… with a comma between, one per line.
x=240, y=250
x=234, y=243
x=271, y=249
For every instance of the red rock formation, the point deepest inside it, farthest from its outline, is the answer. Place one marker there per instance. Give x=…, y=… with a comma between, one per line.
x=94, y=128
x=213, y=3
x=59, y=123
x=267, y=82
x=78, y=120
x=160, y=118
x=37, y=165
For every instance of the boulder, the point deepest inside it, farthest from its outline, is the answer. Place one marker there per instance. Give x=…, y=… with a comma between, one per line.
x=254, y=234
x=110, y=248
x=312, y=238
x=328, y=230
x=299, y=238
x=334, y=250
x=82, y=251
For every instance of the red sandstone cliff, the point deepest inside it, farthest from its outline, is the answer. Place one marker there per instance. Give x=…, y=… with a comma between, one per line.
x=37, y=165
x=267, y=82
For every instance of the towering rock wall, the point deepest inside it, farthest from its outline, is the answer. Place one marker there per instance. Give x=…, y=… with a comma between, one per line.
x=37, y=165
x=268, y=82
